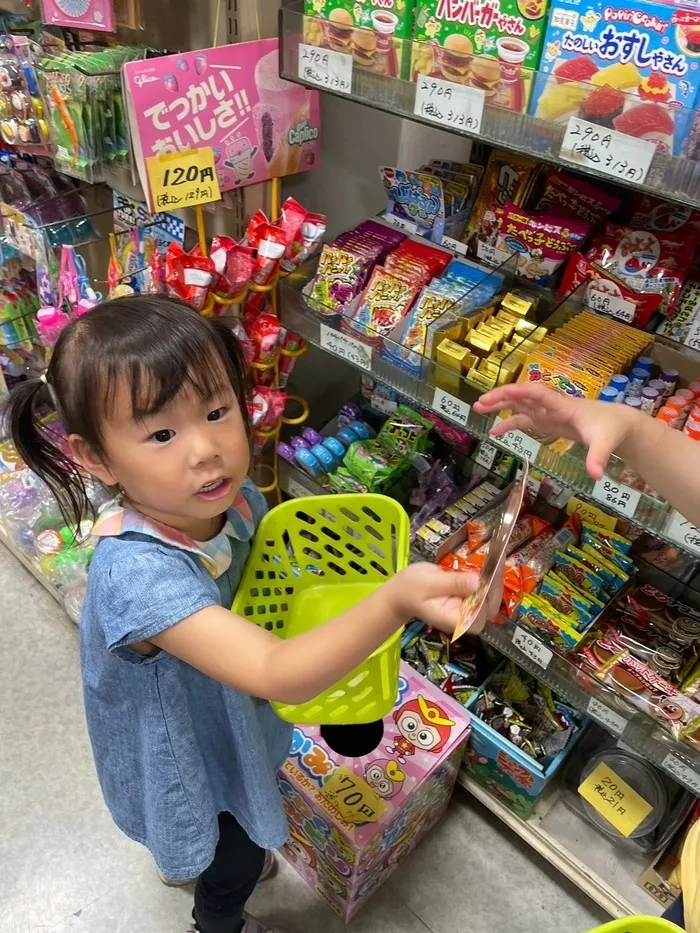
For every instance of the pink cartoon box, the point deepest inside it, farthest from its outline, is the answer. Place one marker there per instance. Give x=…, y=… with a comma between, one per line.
x=359, y=798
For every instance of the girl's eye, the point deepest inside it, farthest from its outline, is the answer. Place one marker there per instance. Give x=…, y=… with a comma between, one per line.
x=217, y=414
x=162, y=437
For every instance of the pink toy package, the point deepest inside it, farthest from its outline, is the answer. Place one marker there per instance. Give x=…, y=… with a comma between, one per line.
x=360, y=798
x=230, y=98
x=97, y=15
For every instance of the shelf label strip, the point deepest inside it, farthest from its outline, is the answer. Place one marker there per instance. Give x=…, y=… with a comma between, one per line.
x=455, y=106
x=606, y=151
x=329, y=70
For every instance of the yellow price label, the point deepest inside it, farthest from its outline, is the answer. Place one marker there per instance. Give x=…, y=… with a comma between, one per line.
x=614, y=799
x=353, y=797
x=591, y=514
x=183, y=179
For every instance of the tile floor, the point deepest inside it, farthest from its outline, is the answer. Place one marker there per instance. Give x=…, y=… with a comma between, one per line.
x=65, y=868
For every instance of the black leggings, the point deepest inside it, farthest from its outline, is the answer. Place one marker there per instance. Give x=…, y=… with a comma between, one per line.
x=223, y=888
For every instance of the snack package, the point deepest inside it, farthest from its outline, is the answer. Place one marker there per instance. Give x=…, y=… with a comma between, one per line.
x=646, y=212
x=405, y=431
x=313, y=230
x=540, y=615
x=269, y=242
x=626, y=66
x=577, y=197
x=472, y=559
x=416, y=197
x=339, y=278
x=385, y=301
x=189, y=276
x=508, y=177
x=525, y=568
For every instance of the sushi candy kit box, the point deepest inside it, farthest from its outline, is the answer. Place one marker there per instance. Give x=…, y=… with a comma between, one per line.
x=376, y=33
x=493, y=45
x=632, y=67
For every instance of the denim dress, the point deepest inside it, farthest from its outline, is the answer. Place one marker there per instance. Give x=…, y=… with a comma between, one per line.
x=173, y=747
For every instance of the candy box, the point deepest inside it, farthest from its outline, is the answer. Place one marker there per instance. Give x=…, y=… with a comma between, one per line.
x=632, y=67
x=505, y=771
x=359, y=801
x=488, y=44
x=376, y=34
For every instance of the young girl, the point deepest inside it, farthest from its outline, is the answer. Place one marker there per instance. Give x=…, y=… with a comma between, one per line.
x=153, y=398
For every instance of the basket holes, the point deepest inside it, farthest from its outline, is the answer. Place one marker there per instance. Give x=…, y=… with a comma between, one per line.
x=358, y=567
x=309, y=551
x=259, y=575
x=376, y=550
x=372, y=514
x=308, y=535
x=270, y=542
x=355, y=550
x=289, y=590
x=331, y=534
x=277, y=591
x=272, y=607
x=336, y=695
x=261, y=610
x=384, y=572
x=279, y=624
x=362, y=695
x=352, y=532
x=304, y=517
x=271, y=574
x=287, y=541
x=394, y=551
x=254, y=591
x=266, y=591
x=284, y=607
x=348, y=513
x=248, y=611
x=329, y=516
x=373, y=531
x=334, y=551
x=356, y=681
x=336, y=568
x=282, y=575
x=268, y=626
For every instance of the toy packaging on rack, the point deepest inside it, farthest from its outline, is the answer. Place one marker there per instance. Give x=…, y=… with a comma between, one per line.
x=23, y=121
x=96, y=15
x=140, y=235
x=376, y=35
x=492, y=45
x=631, y=67
x=354, y=819
x=230, y=98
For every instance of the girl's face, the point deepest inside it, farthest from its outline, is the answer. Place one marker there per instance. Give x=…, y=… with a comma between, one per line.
x=182, y=466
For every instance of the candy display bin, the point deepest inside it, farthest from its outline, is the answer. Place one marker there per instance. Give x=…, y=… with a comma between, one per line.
x=359, y=799
x=504, y=770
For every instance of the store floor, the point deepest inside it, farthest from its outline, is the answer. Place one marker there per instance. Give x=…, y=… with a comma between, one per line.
x=65, y=868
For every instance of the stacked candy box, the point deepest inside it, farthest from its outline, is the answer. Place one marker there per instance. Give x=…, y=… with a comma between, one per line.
x=492, y=45
x=632, y=67
x=376, y=35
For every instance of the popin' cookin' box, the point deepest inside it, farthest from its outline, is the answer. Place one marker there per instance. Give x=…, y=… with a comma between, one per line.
x=488, y=44
x=376, y=33
x=626, y=66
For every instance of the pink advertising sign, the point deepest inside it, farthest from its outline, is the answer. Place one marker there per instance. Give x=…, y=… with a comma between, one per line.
x=230, y=98
x=79, y=14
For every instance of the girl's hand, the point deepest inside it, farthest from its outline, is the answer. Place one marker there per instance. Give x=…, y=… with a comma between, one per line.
x=602, y=427
x=427, y=592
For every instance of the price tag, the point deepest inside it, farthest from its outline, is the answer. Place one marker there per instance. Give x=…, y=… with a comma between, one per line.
x=353, y=797
x=346, y=347
x=492, y=255
x=532, y=484
x=386, y=405
x=607, y=717
x=296, y=490
x=456, y=106
x=487, y=454
x=616, y=496
x=407, y=226
x=614, y=799
x=522, y=445
x=612, y=305
x=532, y=647
x=454, y=245
x=183, y=179
x=683, y=532
x=607, y=151
x=330, y=70
x=591, y=514
x=449, y=406
x=692, y=338
x=682, y=772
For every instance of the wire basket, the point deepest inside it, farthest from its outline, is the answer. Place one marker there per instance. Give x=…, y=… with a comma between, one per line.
x=313, y=559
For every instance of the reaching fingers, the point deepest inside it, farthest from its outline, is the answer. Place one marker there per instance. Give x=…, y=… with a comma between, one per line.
x=513, y=396
x=598, y=455
x=521, y=422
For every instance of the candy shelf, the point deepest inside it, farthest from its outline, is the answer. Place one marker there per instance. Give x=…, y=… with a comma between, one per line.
x=668, y=176
x=30, y=565
x=635, y=728
x=299, y=315
x=606, y=873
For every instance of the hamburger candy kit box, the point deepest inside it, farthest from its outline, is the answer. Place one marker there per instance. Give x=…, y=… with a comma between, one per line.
x=489, y=44
x=630, y=67
x=359, y=798
x=376, y=33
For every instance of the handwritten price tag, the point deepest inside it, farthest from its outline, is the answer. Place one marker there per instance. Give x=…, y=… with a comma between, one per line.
x=532, y=484
x=455, y=106
x=607, y=151
x=617, y=496
x=329, y=70
x=346, y=347
x=615, y=800
x=183, y=179
x=682, y=772
x=353, y=796
x=607, y=717
x=400, y=223
x=683, y=532
x=492, y=255
x=532, y=647
x=449, y=406
x=613, y=305
x=486, y=455
x=522, y=445
x=454, y=245
x=591, y=514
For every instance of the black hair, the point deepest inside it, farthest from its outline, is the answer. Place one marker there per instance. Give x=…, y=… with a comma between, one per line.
x=157, y=345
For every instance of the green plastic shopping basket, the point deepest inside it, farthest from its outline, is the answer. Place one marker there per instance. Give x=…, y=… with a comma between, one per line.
x=312, y=559
x=638, y=925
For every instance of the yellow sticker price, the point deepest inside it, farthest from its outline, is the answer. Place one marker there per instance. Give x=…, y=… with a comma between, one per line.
x=591, y=514
x=353, y=797
x=614, y=799
x=183, y=179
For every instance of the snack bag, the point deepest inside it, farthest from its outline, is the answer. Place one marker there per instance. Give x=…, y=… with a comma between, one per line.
x=189, y=276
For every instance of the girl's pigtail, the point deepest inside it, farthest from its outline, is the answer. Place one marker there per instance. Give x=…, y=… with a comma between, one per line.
x=42, y=455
